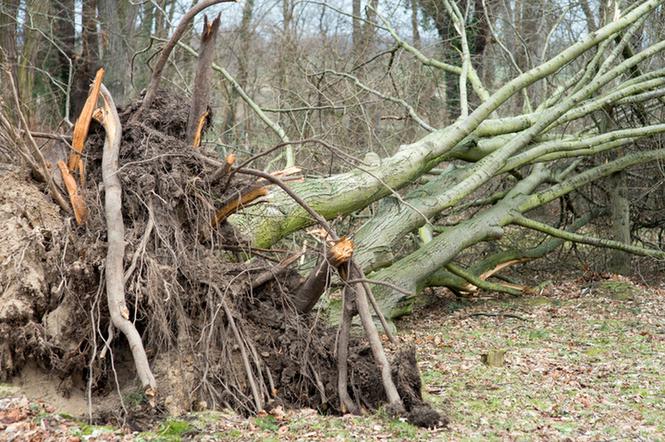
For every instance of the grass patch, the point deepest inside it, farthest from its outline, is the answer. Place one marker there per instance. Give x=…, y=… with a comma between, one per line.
x=266, y=423
x=174, y=430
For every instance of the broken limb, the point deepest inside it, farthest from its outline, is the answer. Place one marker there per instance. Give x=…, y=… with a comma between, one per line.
x=275, y=271
x=156, y=77
x=82, y=125
x=223, y=171
x=236, y=203
x=273, y=125
x=78, y=204
x=198, y=114
x=315, y=285
x=115, y=286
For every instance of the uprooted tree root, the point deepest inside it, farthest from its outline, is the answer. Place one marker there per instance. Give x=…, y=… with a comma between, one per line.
x=190, y=288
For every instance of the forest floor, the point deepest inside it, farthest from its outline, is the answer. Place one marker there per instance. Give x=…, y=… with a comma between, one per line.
x=583, y=361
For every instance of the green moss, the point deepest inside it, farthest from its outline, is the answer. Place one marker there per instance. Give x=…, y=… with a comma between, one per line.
x=538, y=334
x=267, y=423
x=618, y=290
x=174, y=430
x=84, y=429
x=229, y=435
x=135, y=398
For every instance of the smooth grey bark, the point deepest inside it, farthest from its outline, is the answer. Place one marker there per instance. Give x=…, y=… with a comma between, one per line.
x=412, y=272
x=620, y=262
x=344, y=193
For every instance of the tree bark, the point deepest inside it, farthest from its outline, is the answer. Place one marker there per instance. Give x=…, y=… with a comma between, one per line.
x=115, y=287
x=200, y=108
x=8, y=55
x=114, y=21
x=620, y=261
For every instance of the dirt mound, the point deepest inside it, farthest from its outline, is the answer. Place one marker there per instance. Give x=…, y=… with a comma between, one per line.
x=213, y=340
x=29, y=263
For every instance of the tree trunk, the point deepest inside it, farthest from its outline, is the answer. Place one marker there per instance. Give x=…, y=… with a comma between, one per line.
x=620, y=262
x=114, y=19
x=245, y=37
x=88, y=62
x=8, y=56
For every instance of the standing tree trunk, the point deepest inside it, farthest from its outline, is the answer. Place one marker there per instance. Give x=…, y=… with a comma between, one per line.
x=88, y=62
x=620, y=261
x=8, y=58
x=65, y=37
x=116, y=28
x=33, y=41
x=245, y=36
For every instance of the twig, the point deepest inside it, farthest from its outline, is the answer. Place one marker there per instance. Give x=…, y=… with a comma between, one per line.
x=258, y=402
x=383, y=283
x=498, y=315
x=142, y=245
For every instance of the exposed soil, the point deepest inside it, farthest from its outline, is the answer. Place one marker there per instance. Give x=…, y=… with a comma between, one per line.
x=180, y=271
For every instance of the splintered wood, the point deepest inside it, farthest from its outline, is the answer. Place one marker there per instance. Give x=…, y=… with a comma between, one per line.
x=80, y=209
x=341, y=251
x=319, y=278
x=196, y=143
x=82, y=125
x=233, y=205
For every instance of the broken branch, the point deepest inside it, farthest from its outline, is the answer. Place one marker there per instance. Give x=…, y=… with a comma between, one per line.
x=318, y=280
x=198, y=113
x=82, y=125
x=236, y=203
x=78, y=204
x=166, y=51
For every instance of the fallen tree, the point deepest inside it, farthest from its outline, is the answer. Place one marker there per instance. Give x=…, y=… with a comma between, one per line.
x=199, y=283
x=491, y=149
